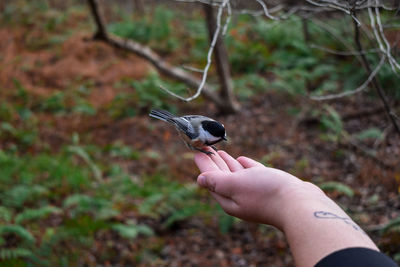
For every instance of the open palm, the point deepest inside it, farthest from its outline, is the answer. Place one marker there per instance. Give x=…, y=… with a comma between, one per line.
x=246, y=188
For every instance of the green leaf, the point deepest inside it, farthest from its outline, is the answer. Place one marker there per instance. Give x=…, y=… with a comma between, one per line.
x=17, y=230
x=21, y=193
x=7, y=127
x=333, y=186
x=371, y=133
x=391, y=225
x=5, y=214
x=131, y=231
x=147, y=206
x=225, y=222
x=35, y=214
x=332, y=120
x=15, y=253
x=79, y=151
x=101, y=208
x=181, y=214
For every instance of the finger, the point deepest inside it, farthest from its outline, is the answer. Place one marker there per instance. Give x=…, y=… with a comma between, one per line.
x=228, y=205
x=248, y=162
x=232, y=163
x=220, y=182
x=205, y=163
x=219, y=161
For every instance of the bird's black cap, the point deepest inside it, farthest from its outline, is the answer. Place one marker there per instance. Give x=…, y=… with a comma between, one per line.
x=215, y=128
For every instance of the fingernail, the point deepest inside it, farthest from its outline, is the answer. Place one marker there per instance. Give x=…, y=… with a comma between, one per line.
x=201, y=180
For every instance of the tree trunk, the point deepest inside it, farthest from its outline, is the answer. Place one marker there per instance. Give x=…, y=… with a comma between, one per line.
x=138, y=7
x=222, y=63
x=101, y=32
x=306, y=32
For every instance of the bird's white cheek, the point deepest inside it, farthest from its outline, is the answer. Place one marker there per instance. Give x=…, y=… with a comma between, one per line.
x=206, y=136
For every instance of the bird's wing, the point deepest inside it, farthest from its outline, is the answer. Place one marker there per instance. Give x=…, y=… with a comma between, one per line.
x=183, y=124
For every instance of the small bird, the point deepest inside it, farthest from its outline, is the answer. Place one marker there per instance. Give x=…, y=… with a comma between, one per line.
x=196, y=131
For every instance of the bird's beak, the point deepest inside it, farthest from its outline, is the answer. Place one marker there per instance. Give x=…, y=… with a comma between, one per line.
x=225, y=138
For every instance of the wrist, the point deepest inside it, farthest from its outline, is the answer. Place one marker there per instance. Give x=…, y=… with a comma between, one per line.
x=302, y=201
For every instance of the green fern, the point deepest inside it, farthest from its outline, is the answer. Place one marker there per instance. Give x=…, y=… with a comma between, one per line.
x=174, y=202
x=18, y=230
x=131, y=231
x=101, y=208
x=19, y=194
x=35, y=214
x=15, y=253
x=5, y=214
x=81, y=152
x=333, y=186
x=393, y=224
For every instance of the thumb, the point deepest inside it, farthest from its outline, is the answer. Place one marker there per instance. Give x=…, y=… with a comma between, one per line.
x=248, y=162
x=220, y=182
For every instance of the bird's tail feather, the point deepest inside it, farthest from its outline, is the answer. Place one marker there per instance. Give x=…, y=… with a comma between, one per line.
x=161, y=114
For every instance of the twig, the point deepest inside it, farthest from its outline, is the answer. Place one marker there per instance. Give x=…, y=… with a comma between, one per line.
x=367, y=152
x=335, y=6
x=355, y=91
x=331, y=30
x=192, y=69
x=228, y=19
x=343, y=53
x=266, y=12
x=345, y=117
x=385, y=132
x=375, y=81
x=381, y=35
x=209, y=58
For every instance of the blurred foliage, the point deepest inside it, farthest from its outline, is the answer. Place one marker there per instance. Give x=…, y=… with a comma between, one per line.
x=154, y=29
x=332, y=186
x=52, y=23
x=392, y=225
x=144, y=95
x=59, y=195
x=370, y=133
x=332, y=124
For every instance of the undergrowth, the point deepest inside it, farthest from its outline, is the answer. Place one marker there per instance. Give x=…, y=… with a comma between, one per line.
x=52, y=199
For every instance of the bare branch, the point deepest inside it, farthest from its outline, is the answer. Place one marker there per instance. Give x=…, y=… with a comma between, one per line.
x=209, y=57
x=333, y=32
x=375, y=81
x=335, y=6
x=228, y=19
x=343, y=53
x=266, y=12
x=355, y=91
x=190, y=68
x=381, y=35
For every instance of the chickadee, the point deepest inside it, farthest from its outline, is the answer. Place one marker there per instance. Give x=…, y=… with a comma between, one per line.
x=198, y=131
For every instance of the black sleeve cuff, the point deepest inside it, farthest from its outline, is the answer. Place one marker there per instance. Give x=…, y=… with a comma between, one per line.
x=356, y=257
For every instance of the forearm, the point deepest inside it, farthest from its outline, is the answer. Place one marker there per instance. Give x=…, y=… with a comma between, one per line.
x=315, y=227
x=313, y=224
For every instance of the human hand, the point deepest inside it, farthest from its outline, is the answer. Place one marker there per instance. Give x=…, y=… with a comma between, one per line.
x=248, y=190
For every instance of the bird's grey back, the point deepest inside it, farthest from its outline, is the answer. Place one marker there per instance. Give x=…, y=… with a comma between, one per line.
x=188, y=124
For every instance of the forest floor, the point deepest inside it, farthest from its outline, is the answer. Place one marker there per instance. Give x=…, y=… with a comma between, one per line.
x=274, y=127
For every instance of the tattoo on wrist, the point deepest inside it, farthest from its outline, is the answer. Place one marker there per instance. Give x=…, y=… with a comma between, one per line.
x=330, y=215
